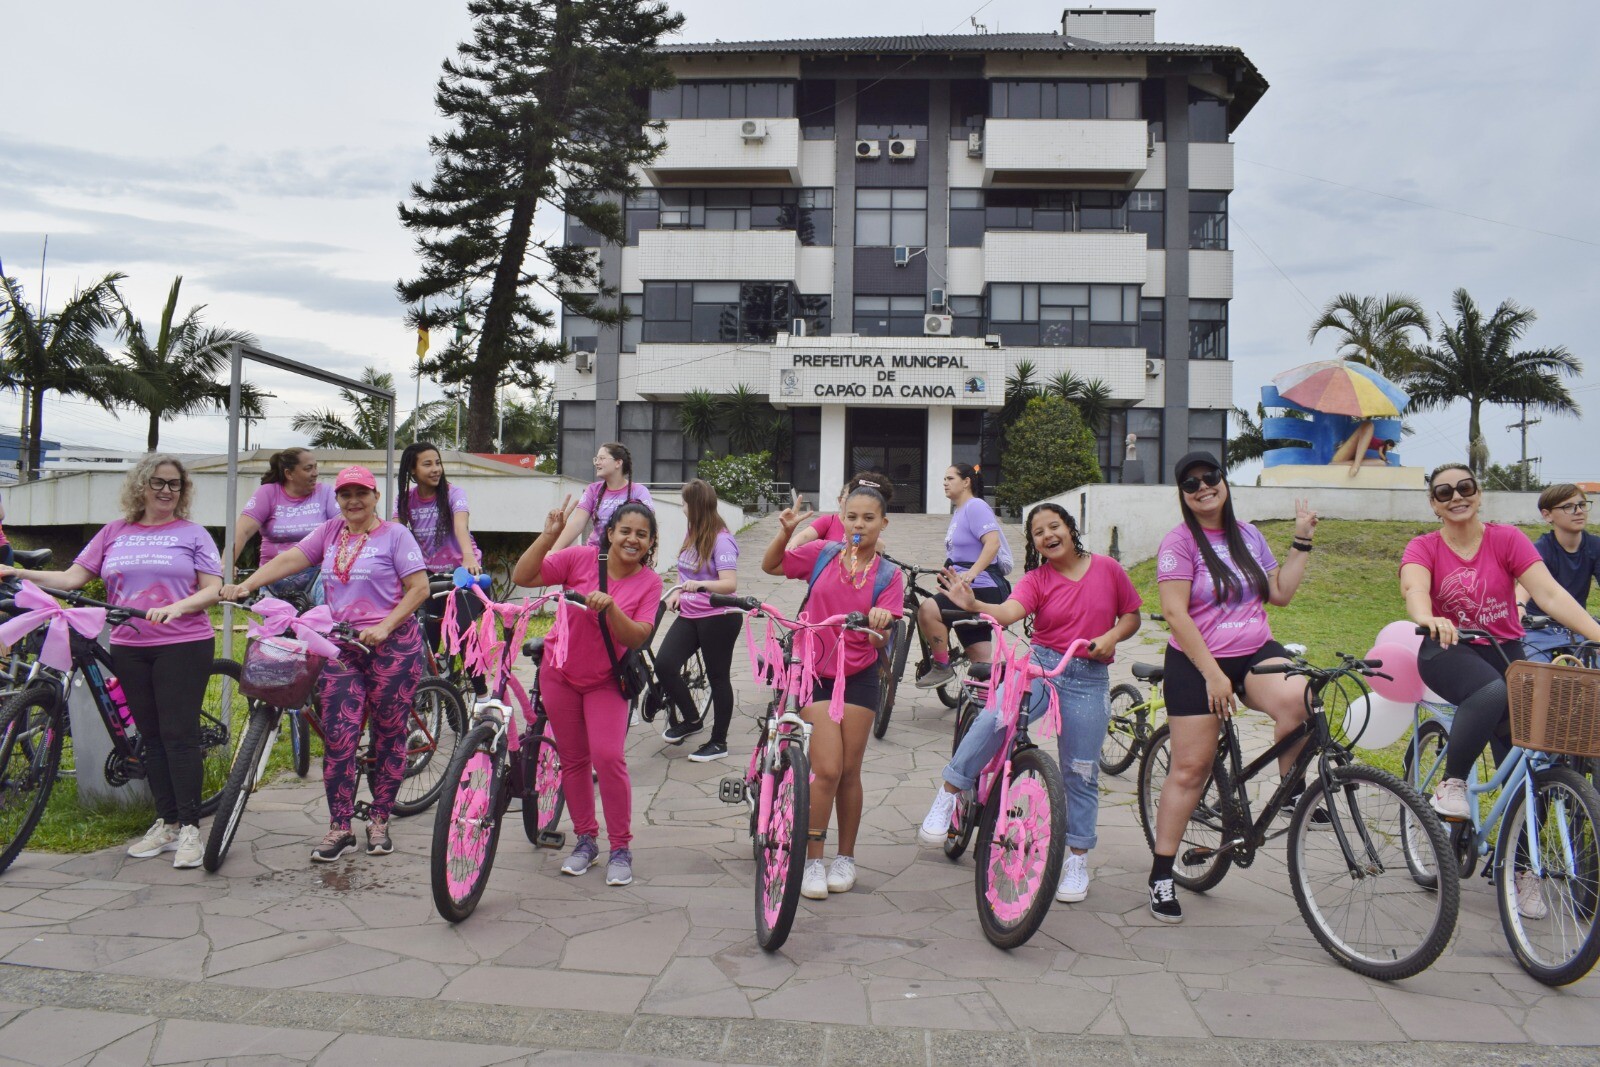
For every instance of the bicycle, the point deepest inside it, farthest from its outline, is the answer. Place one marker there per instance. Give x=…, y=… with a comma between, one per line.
x=34, y=726
x=435, y=709
x=1348, y=830
x=893, y=665
x=1135, y=717
x=494, y=764
x=650, y=703
x=1541, y=831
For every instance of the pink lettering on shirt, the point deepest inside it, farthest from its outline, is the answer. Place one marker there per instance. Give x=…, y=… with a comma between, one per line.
x=376, y=583
x=1480, y=593
x=152, y=567
x=286, y=520
x=1236, y=627
x=436, y=536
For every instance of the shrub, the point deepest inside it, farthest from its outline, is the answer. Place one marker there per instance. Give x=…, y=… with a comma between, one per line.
x=740, y=480
x=1048, y=451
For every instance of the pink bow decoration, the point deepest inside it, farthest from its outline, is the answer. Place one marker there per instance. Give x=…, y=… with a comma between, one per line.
x=44, y=608
x=278, y=617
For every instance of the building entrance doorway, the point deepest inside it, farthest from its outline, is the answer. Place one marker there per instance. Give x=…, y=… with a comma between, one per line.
x=895, y=441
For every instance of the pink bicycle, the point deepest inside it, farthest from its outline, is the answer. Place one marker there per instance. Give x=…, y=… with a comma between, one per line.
x=496, y=763
x=777, y=785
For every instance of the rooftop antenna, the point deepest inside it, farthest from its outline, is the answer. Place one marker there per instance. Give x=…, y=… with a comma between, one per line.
x=977, y=27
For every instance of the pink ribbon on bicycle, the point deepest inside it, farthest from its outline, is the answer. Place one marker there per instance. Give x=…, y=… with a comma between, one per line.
x=278, y=617
x=45, y=609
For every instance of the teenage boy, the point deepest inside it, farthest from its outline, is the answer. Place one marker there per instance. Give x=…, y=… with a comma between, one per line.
x=1571, y=553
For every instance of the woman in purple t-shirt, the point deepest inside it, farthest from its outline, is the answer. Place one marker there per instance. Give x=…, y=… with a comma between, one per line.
x=155, y=559
x=707, y=563
x=613, y=465
x=1216, y=576
x=289, y=504
x=975, y=545
x=374, y=579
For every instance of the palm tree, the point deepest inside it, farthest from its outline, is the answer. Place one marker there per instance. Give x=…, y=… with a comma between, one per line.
x=529, y=427
x=1475, y=362
x=699, y=416
x=1373, y=331
x=746, y=418
x=59, y=351
x=369, y=418
x=176, y=374
x=1091, y=397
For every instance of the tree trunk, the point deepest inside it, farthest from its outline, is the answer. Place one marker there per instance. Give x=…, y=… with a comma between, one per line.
x=35, y=437
x=153, y=437
x=1475, y=461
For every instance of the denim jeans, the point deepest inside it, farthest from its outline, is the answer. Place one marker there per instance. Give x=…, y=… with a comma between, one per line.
x=1083, y=690
x=307, y=583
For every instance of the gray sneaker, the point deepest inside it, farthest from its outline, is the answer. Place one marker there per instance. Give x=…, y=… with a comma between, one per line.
x=936, y=675
x=584, y=853
x=619, y=868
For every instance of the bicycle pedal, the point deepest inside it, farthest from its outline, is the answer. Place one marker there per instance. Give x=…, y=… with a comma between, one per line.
x=1198, y=855
x=554, y=839
x=731, y=790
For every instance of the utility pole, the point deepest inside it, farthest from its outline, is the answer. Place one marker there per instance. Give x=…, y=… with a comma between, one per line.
x=1523, y=426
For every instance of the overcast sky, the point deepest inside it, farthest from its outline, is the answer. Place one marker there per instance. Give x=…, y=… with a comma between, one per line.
x=259, y=150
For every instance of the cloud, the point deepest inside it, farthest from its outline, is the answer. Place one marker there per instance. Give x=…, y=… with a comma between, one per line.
x=309, y=286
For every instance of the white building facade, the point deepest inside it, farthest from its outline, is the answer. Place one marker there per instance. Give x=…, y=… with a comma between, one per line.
x=873, y=233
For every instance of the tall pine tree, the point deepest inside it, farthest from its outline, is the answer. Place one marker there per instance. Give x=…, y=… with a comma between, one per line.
x=549, y=101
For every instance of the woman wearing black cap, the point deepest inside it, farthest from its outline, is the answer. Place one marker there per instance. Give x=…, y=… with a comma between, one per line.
x=1216, y=576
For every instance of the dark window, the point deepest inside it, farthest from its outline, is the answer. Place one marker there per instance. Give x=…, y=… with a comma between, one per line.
x=1064, y=99
x=579, y=234
x=707, y=312
x=1208, y=431
x=890, y=316
x=575, y=425
x=818, y=313
x=890, y=217
x=1153, y=105
x=1056, y=315
x=976, y=439
x=966, y=218
x=808, y=212
x=1147, y=214
x=1208, y=329
x=969, y=105
x=816, y=110
x=968, y=313
x=724, y=100
x=1152, y=314
x=893, y=108
x=1208, y=117
x=1052, y=211
x=633, y=325
x=1208, y=220
x=1101, y=210
x=642, y=212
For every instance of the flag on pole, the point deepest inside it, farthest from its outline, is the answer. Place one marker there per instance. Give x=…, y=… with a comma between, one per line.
x=422, y=332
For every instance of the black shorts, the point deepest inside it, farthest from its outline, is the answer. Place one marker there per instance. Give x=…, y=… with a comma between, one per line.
x=860, y=689
x=1185, y=687
x=973, y=633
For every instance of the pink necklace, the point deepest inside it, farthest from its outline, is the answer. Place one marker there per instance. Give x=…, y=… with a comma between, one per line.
x=854, y=573
x=349, y=550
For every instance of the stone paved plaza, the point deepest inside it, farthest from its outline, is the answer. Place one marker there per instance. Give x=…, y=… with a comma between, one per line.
x=110, y=960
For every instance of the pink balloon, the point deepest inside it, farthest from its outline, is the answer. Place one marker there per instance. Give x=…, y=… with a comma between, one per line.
x=1400, y=663
x=1402, y=633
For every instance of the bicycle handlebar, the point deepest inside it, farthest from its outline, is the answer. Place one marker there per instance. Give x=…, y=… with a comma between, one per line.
x=909, y=568
x=77, y=599
x=733, y=600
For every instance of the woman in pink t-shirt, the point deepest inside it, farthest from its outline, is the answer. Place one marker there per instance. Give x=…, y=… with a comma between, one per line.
x=1217, y=576
x=578, y=684
x=374, y=579
x=1465, y=575
x=1070, y=595
x=613, y=466
x=289, y=504
x=844, y=585
x=155, y=559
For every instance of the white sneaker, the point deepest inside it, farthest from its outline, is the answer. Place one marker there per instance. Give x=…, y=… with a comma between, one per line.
x=161, y=837
x=814, y=884
x=936, y=827
x=1450, y=799
x=937, y=675
x=188, y=847
x=842, y=875
x=1074, y=878
x=1530, y=896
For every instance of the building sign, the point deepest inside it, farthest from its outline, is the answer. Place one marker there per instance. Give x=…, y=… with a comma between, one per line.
x=969, y=377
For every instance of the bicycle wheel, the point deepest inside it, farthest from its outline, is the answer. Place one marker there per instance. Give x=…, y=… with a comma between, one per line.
x=964, y=818
x=542, y=799
x=224, y=715
x=1424, y=765
x=889, y=668
x=1018, y=872
x=431, y=739
x=1206, y=825
x=1560, y=946
x=1121, y=744
x=300, y=743
x=32, y=726
x=1365, y=907
x=254, y=748
x=781, y=857
x=694, y=676
x=466, y=831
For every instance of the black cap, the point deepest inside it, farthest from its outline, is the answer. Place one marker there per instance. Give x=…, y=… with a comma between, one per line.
x=1194, y=459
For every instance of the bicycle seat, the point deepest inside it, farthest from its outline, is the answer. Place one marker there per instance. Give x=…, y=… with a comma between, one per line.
x=978, y=672
x=30, y=559
x=534, y=649
x=1148, y=672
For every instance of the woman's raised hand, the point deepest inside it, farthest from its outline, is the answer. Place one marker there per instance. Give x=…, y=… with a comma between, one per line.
x=1305, y=520
x=557, y=519
x=792, y=516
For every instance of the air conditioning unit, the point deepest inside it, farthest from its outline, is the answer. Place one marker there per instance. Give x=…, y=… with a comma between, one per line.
x=902, y=255
x=1152, y=368
x=902, y=149
x=975, y=145
x=936, y=298
x=938, y=325
x=797, y=328
x=753, y=130
x=868, y=150
x=584, y=361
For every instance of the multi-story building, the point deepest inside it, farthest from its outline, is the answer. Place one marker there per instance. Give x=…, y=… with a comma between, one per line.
x=872, y=233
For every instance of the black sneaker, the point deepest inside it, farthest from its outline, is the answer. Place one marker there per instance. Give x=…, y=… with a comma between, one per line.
x=336, y=844
x=709, y=751
x=1164, y=901
x=677, y=735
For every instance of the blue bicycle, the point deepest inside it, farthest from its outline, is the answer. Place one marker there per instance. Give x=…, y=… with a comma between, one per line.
x=1542, y=831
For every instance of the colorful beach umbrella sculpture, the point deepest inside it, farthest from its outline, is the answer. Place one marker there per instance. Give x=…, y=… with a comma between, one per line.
x=1340, y=387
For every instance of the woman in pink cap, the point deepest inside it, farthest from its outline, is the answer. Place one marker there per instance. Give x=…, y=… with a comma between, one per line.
x=373, y=577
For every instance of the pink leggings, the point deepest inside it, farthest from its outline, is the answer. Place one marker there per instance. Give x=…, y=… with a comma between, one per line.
x=591, y=728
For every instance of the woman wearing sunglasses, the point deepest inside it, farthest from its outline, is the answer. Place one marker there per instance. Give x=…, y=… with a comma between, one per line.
x=1216, y=576
x=1464, y=575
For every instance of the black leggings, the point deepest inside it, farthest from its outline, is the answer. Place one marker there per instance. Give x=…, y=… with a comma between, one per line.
x=1473, y=678
x=715, y=636
x=468, y=610
x=165, y=686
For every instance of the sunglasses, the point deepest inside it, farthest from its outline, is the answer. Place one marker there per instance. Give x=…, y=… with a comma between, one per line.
x=1192, y=483
x=174, y=485
x=1467, y=487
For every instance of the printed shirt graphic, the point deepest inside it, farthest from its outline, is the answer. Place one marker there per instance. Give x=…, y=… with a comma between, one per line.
x=1480, y=593
x=438, y=540
x=286, y=520
x=724, y=557
x=587, y=665
x=151, y=567
x=963, y=538
x=602, y=503
x=375, y=583
x=1573, y=571
x=1064, y=610
x=1229, y=628
x=837, y=594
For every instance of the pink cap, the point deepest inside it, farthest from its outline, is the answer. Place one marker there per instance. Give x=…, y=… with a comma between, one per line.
x=356, y=475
